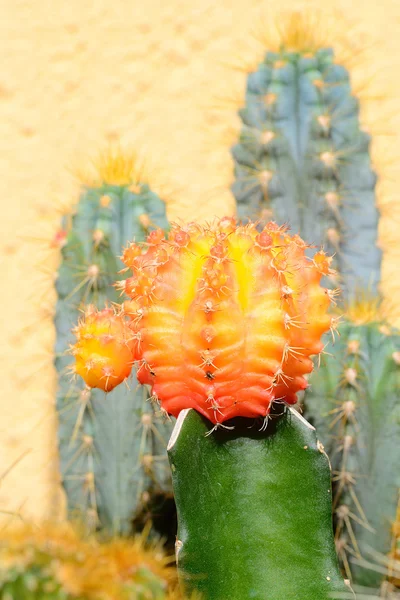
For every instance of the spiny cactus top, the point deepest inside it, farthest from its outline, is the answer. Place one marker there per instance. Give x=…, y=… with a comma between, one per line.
x=222, y=319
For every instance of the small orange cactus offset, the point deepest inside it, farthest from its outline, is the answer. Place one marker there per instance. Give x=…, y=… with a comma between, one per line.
x=103, y=350
x=224, y=319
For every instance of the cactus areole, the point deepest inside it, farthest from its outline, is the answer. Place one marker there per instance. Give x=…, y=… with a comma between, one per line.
x=223, y=319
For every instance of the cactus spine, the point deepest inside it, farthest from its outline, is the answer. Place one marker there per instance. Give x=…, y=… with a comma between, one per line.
x=267, y=535
x=353, y=401
x=303, y=159
x=112, y=448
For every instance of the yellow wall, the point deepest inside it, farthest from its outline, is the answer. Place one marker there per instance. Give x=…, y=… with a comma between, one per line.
x=78, y=74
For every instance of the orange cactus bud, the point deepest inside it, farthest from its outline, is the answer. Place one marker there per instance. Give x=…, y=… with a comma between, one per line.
x=155, y=237
x=104, y=349
x=227, y=321
x=130, y=254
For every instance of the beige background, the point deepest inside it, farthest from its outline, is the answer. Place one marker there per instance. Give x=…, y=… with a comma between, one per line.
x=156, y=75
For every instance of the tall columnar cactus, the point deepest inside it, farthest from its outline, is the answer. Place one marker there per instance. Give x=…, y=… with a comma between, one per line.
x=354, y=402
x=303, y=158
x=54, y=562
x=112, y=447
x=223, y=320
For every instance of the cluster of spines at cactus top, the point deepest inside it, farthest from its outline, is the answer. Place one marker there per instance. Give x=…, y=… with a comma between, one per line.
x=108, y=444
x=303, y=159
x=353, y=401
x=220, y=318
x=55, y=562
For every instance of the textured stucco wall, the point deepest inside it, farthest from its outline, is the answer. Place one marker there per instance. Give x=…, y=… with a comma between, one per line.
x=76, y=75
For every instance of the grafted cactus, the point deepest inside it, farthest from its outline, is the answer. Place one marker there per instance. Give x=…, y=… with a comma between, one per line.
x=112, y=447
x=303, y=158
x=223, y=319
x=353, y=401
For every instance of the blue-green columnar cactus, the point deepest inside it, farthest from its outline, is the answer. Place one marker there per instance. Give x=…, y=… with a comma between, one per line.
x=354, y=403
x=112, y=447
x=303, y=159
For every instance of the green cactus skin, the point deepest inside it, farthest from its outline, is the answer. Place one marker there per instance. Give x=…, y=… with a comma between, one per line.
x=254, y=510
x=354, y=402
x=302, y=159
x=112, y=447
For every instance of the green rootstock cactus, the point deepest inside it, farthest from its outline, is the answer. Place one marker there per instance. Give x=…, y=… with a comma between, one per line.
x=112, y=447
x=254, y=510
x=353, y=401
x=303, y=159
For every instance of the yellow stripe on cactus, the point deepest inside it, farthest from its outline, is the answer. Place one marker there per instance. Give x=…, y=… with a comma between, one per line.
x=223, y=318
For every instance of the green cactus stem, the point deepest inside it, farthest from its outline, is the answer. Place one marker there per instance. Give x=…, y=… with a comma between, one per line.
x=254, y=510
x=112, y=447
x=303, y=159
x=353, y=401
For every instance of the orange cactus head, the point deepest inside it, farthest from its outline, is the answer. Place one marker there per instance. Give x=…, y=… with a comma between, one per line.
x=225, y=317
x=104, y=348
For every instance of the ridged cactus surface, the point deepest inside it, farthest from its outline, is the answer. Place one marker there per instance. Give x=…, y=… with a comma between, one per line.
x=112, y=447
x=354, y=402
x=303, y=158
x=201, y=302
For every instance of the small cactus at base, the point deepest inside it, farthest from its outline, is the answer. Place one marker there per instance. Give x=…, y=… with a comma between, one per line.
x=112, y=447
x=54, y=562
x=303, y=158
x=353, y=401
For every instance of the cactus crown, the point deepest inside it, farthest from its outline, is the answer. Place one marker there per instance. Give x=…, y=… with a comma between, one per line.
x=224, y=318
x=298, y=31
x=113, y=167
